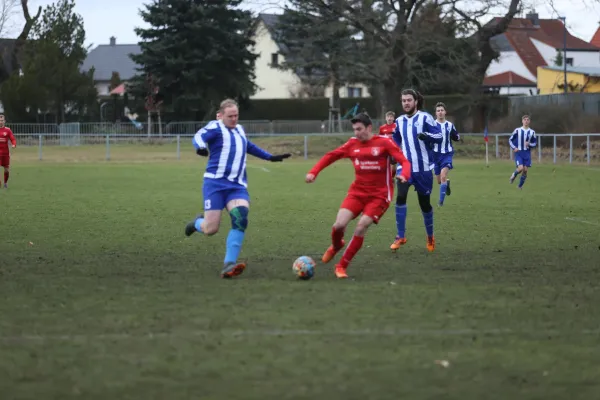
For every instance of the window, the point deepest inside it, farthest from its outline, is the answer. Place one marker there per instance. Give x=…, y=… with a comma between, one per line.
x=354, y=91
x=274, y=60
x=570, y=61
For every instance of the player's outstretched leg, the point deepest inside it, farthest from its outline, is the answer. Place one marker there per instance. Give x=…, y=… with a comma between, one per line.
x=427, y=211
x=400, y=216
x=354, y=246
x=6, y=176
x=343, y=218
x=235, y=238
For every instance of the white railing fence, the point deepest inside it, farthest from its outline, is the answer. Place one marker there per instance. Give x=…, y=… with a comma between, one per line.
x=584, y=147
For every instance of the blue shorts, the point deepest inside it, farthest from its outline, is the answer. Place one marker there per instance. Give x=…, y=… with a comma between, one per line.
x=217, y=194
x=441, y=161
x=422, y=181
x=523, y=157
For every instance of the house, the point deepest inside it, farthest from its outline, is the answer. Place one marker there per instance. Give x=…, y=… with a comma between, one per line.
x=109, y=58
x=275, y=83
x=529, y=43
x=550, y=79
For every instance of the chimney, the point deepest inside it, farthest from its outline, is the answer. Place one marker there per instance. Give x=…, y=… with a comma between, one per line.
x=113, y=40
x=534, y=18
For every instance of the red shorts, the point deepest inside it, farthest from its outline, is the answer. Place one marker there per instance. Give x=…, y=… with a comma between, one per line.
x=373, y=207
x=5, y=160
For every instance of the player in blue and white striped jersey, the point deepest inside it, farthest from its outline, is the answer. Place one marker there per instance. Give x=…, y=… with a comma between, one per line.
x=443, y=152
x=225, y=181
x=415, y=134
x=521, y=142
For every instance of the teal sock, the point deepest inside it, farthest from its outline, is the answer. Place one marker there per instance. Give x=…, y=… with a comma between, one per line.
x=198, y=224
x=234, y=246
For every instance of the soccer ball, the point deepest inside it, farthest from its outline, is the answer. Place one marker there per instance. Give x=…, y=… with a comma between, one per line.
x=304, y=267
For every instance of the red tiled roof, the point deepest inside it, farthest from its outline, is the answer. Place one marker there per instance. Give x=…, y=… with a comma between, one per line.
x=119, y=89
x=507, y=79
x=596, y=39
x=549, y=31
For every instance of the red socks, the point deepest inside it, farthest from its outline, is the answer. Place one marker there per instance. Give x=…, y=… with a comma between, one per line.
x=6, y=176
x=351, y=250
x=336, y=238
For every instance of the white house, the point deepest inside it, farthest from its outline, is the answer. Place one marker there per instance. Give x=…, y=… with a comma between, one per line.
x=529, y=43
x=275, y=83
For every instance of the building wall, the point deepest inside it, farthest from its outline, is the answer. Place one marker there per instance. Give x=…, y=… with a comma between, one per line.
x=272, y=83
x=103, y=88
x=580, y=58
x=548, y=81
x=509, y=61
x=349, y=90
x=511, y=90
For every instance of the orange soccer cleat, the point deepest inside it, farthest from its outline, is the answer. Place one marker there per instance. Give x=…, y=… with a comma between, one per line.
x=331, y=252
x=231, y=270
x=340, y=272
x=430, y=243
x=397, y=243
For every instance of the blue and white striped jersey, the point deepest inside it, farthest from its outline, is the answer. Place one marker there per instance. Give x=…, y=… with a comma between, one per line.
x=520, y=136
x=418, y=152
x=227, y=152
x=449, y=134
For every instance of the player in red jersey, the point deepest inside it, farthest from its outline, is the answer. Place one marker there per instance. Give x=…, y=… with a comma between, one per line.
x=388, y=128
x=371, y=191
x=6, y=135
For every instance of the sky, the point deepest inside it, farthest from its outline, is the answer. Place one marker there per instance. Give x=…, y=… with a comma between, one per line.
x=118, y=18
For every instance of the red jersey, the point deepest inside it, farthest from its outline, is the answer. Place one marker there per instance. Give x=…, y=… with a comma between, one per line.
x=371, y=162
x=6, y=135
x=387, y=129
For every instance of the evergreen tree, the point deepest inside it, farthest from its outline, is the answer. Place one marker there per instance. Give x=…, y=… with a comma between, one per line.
x=199, y=51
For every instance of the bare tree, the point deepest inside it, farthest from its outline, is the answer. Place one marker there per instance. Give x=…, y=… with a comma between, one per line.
x=11, y=57
x=8, y=13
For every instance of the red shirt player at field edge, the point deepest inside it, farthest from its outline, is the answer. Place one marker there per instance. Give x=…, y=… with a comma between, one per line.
x=6, y=135
x=388, y=128
x=371, y=191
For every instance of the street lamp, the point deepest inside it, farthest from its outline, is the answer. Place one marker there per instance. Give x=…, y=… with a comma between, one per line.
x=564, y=20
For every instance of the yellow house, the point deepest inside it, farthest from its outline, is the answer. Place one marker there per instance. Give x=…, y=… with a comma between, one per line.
x=274, y=83
x=550, y=79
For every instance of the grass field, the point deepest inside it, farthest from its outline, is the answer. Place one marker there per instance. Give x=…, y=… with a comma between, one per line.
x=103, y=297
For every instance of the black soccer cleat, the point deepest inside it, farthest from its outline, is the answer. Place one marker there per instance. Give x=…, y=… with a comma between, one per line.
x=190, y=228
x=448, y=192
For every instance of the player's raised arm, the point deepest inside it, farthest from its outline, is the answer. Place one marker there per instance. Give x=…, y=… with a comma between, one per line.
x=263, y=154
x=432, y=133
x=327, y=160
x=398, y=155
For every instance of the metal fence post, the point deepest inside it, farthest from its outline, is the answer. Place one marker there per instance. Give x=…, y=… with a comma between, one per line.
x=497, y=148
x=554, y=149
x=40, y=147
x=178, y=147
x=306, y=147
x=540, y=150
x=570, y=149
x=107, y=147
x=588, y=149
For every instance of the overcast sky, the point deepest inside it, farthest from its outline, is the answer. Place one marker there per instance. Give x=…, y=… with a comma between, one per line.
x=106, y=18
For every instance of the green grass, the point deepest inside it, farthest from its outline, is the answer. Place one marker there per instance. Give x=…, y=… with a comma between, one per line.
x=112, y=301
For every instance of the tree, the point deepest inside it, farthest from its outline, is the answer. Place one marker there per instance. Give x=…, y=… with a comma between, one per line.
x=53, y=59
x=392, y=27
x=198, y=51
x=11, y=56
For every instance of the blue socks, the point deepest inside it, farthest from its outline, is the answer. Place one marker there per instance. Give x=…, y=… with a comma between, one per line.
x=522, y=181
x=198, y=224
x=234, y=246
x=401, y=220
x=428, y=221
x=443, y=188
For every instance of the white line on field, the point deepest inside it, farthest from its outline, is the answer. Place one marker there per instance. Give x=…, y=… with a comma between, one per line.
x=285, y=332
x=583, y=221
x=257, y=167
